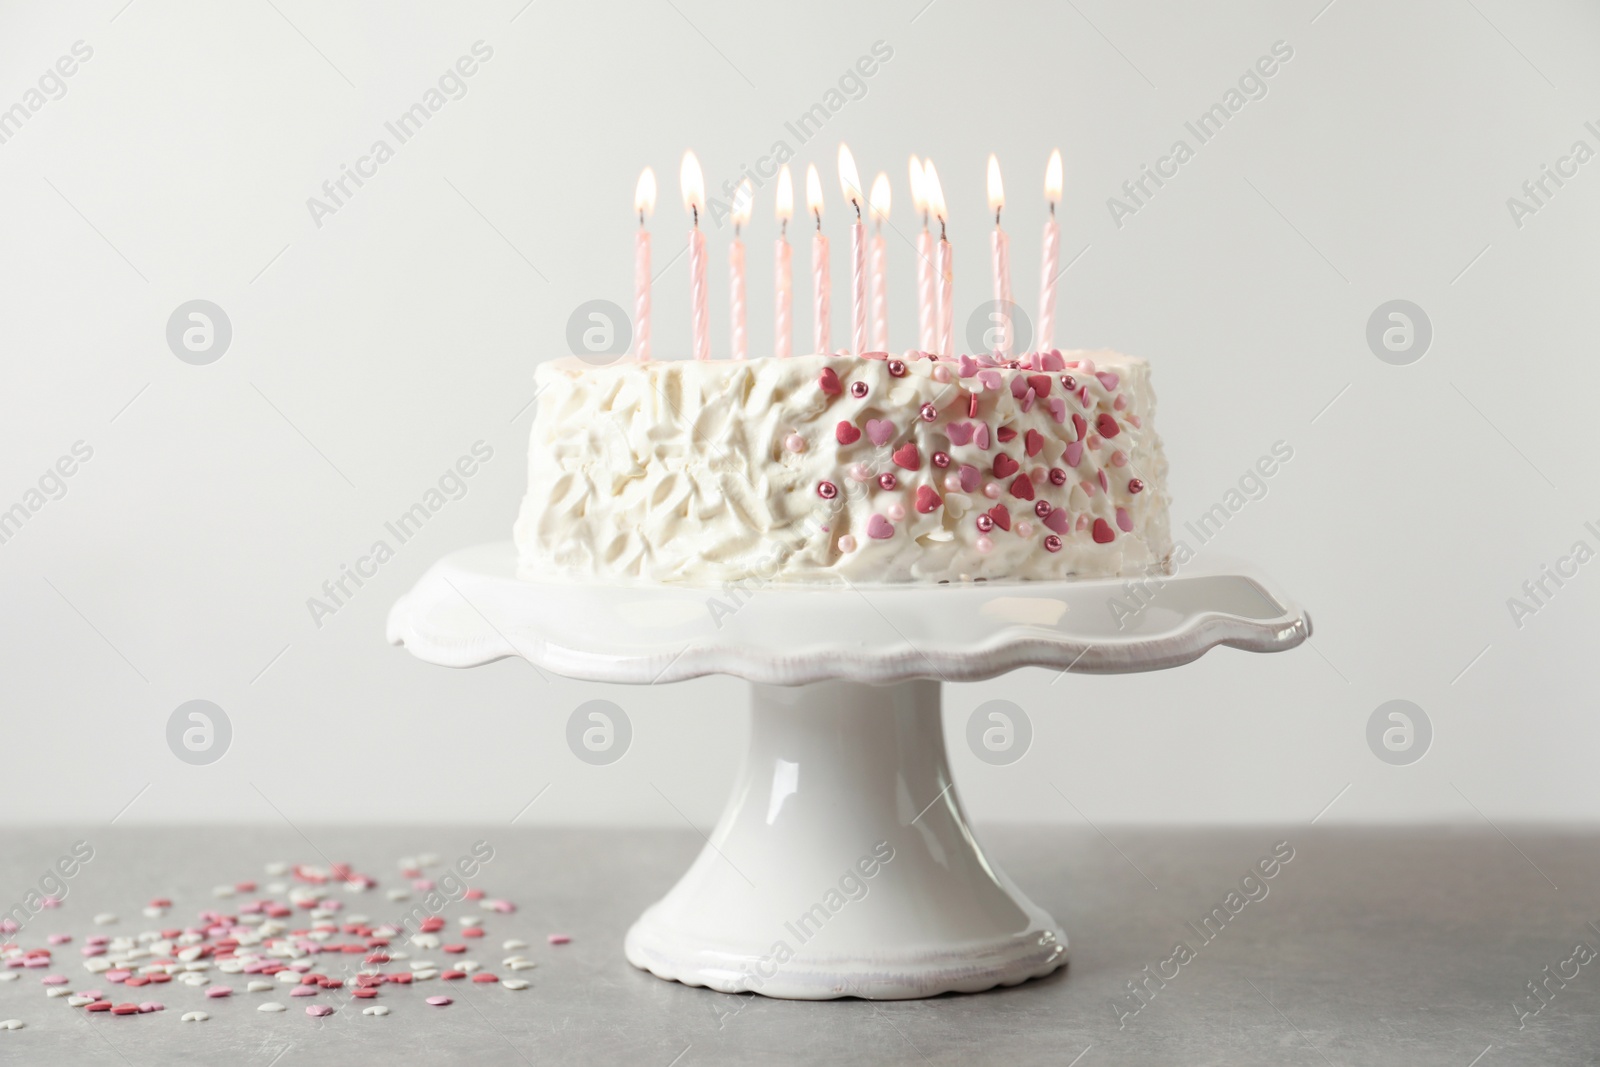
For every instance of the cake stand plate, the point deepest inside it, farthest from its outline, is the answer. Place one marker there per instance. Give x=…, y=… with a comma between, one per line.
x=843, y=864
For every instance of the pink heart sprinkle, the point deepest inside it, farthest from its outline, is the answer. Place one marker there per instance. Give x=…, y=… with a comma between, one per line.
x=1124, y=521
x=970, y=477
x=54, y=979
x=214, y=991
x=879, y=529
x=1108, y=380
x=1058, y=409
x=1052, y=360
x=319, y=1010
x=989, y=378
x=440, y=1002
x=1027, y=400
x=1058, y=520
x=880, y=431
x=980, y=436
x=960, y=433
x=1019, y=385
x=1074, y=454
x=969, y=367
x=559, y=939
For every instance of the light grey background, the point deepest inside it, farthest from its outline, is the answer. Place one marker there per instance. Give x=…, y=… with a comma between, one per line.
x=372, y=351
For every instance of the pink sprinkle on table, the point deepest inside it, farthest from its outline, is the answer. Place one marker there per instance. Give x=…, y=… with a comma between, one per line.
x=214, y=991
x=54, y=979
x=118, y=976
x=152, y=1005
x=303, y=991
x=559, y=939
x=59, y=939
x=440, y=1002
x=319, y=1010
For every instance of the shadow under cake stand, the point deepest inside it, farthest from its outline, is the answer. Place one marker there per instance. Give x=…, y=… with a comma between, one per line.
x=843, y=864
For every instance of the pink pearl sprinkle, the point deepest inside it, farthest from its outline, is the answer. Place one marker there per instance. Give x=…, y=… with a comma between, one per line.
x=319, y=1010
x=214, y=991
x=896, y=513
x=859, y=472
x=440, y=1002
x=847, y=543
x=952, y=483
x=984, y=544
x=1024, y=529
x=794, y=443
x=54, y=979
x=992, y=491
x=559, y=939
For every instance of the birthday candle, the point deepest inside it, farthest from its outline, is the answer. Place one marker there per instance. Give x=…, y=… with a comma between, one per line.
x=783, y=273
x=927, y=339
x=694, y=199
x=1000, y=248
x=944, y=263
x=1052, y=252
x=821, y=331
x=850, y=183
x=878, y=268
x=644, y=202
x=741, y=215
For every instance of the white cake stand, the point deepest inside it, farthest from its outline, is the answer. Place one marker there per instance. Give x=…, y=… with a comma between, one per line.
x=842, y=865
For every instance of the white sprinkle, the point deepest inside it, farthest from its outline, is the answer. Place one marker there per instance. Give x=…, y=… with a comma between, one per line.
x=195, y=1016
x=399, y=894
x=257, y=986
x=270, y=1005
x=408, y=863
x=375, y=1009
x=231, y=966
x=58, y=991
x=191, y=978
x=105, y=918
x=154, y=913
x=514, y=983
x=468, y=966
x=11, y=976
x=77, y=1001
x=424, y=975
x=189, y=955
x=289, y=977
x=425, y=940
x=521, y=965
x=94, y=965
x=277, y=889
x=513, y=943
x=12, y=1024
x=428, y=859
x=470, y=920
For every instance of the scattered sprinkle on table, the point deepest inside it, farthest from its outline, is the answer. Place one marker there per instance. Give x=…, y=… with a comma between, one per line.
x=270, y=1005
x=559, y=939
x=440, y=1002
x=319, y=1010
x=195, y=1016
x=12, y=1024
x=376, y=1009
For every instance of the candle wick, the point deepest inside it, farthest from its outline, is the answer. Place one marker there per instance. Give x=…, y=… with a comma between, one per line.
x=997, y=218
x=857, y=205
x=941, y=227
x=641, y=218
x=1052, y=209
x=819, y=221
x=783, y=227
x=695, y=209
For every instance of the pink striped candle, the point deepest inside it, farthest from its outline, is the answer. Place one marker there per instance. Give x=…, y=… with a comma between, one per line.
x=783, y=269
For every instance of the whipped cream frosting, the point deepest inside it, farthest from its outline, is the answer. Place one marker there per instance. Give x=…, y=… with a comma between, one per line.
x=844, y=469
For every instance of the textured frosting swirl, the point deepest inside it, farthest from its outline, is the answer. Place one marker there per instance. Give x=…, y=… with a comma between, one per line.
x=784, y=470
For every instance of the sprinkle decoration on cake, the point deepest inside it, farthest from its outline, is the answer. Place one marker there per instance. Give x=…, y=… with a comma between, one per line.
x=864, y=467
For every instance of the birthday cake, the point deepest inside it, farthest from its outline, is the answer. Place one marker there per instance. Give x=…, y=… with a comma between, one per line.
x=845, y=469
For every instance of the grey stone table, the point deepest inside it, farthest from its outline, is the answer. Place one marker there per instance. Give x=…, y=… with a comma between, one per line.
x=1411, y=946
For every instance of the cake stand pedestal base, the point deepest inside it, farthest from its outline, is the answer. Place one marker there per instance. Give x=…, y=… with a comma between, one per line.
x=843, y=865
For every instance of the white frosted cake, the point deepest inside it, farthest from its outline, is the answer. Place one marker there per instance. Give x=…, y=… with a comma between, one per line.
x=838, y=468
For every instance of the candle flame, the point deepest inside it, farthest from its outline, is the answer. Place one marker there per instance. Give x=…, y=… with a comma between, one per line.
x=743, y=200
x=1052, y=178
x=933, y=191
x=785, y=209
x=997, y=192
x=919, y=196
x=694, y=185
x=813, y=191
x=644, y=195
x=880, y=197
x=849, y=180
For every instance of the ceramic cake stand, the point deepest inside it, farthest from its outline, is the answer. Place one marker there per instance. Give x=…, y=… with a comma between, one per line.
x=842, y=865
